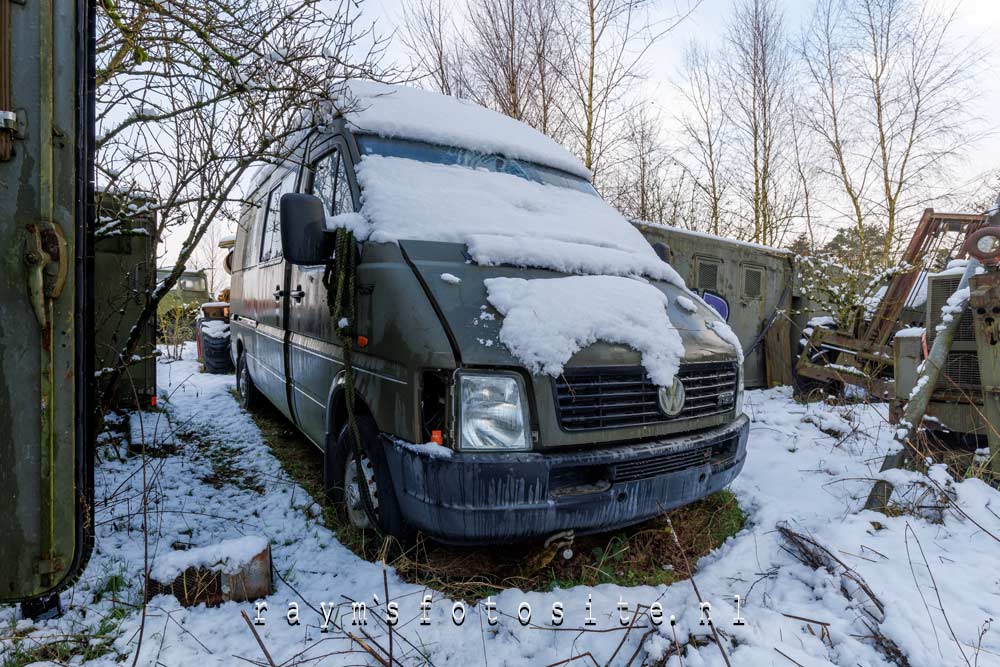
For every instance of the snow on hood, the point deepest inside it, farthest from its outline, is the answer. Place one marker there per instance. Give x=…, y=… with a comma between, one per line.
x=502, y=219
x=403, y=112
x=548, y=320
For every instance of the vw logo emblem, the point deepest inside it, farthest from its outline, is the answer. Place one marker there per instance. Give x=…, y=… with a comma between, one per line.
x=672, y=398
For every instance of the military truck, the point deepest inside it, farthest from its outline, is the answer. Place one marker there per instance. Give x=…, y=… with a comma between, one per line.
x=753, y=287
x=46, y=356
x=178, y=310
x=124, y=278
x=191, y=289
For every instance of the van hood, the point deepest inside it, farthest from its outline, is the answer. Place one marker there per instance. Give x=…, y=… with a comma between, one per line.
x=455, y=283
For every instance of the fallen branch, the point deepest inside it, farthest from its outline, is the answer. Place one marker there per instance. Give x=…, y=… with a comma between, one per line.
x=256, y=636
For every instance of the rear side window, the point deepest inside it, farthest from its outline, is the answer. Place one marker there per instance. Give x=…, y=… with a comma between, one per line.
x=270, y=245
x=331, y=185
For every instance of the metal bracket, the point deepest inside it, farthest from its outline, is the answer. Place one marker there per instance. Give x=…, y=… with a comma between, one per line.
x=45, y=247
x=8, y=121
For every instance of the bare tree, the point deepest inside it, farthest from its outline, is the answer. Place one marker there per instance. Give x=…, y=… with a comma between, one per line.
x=759, y=71
x=193, y=93
x=703, y=126
x=429, y=36
x=549, y=58
x=890, y=102
x=500, y=55
x=208, y=257
x=606, y=43
x=641, y=181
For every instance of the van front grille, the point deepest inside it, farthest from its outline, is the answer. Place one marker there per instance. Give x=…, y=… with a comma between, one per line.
x=721, y=455
x=622, y=396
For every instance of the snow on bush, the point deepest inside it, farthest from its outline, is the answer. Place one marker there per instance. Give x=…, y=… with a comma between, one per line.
x=410, y=113
x=591, y=309
x=503, y=219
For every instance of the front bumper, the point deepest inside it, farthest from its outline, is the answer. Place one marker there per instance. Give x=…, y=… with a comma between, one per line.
x=485, y=498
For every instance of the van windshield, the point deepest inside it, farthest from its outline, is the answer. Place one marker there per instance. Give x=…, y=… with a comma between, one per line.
x=449, y=155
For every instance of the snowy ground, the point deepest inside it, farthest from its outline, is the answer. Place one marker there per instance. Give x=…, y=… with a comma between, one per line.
x=936, y=575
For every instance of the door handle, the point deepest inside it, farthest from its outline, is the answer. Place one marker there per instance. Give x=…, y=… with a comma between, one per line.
x=278, y=293
x=297, y=294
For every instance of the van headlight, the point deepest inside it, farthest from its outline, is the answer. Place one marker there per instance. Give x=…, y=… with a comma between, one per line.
x=492, y=415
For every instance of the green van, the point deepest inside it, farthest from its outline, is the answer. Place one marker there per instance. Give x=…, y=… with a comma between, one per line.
x=523, y=361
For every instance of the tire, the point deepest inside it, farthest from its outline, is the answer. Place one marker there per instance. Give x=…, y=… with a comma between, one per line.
x=250, y=398
x=215, y=352
x=339, y=467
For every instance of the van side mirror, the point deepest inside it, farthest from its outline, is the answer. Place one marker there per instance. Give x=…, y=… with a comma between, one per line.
x=304, y=240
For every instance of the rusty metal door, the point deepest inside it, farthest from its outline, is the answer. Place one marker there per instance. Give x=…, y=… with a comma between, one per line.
x=46, y=195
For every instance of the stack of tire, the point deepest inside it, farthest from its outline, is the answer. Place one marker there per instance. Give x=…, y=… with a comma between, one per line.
x=213, y=336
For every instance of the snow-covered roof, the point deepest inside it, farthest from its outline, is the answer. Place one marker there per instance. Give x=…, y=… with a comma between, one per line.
x=726, y=239
x=398, y=111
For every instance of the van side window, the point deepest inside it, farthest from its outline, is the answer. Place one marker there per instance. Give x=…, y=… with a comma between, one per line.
x=270, y=246
x=331, y=185
x=250, y=225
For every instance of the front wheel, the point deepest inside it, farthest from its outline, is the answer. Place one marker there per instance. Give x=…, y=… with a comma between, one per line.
x=346, y=482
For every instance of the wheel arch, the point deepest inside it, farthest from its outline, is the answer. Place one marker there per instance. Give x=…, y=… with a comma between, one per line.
x=336, y=413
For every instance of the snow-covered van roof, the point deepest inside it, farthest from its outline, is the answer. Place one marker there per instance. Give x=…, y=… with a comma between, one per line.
x=404, y=112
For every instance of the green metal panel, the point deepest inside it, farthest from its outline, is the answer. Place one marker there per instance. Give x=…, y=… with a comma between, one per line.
x=45, y=473
x=984, y=302
x=124, y=278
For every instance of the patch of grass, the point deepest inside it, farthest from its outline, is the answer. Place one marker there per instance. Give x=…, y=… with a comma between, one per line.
x=225, y=460
x=644, y=554
x=110, y=587
x=26, y=651
x=22, y=649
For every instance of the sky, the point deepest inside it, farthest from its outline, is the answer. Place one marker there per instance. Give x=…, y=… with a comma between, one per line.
x=976, y=20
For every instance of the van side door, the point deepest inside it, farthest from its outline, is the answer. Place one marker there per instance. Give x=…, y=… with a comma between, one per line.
x=314, y=355
x=266, y=287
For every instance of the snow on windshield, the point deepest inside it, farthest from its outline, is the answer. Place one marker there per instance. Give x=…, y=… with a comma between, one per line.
x=409, y=113
x=502, y=219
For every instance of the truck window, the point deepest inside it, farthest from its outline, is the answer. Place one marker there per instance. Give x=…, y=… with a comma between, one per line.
x=270, y=245
x=331, y=185
x=753, y=282
x=707, y=275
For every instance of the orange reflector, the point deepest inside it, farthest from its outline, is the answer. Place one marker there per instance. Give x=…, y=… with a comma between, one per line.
x=437, y=438
x=152, y=401
x=362, y=341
